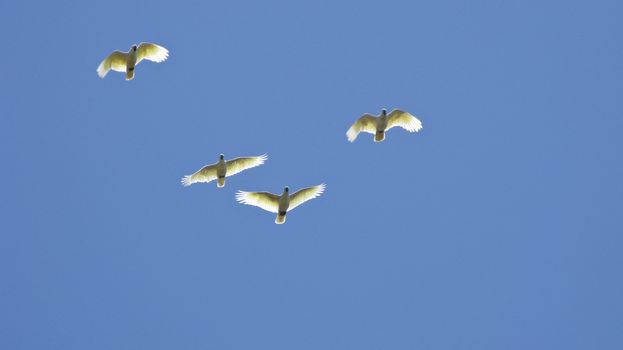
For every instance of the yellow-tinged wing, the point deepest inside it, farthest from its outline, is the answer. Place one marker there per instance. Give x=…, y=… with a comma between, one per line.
x=404, y=120
x=237, y=165
x=205, y=174
x=302, y=196
x=152, y=52
x=264, y=200
x=115, y=61
x=366, y=123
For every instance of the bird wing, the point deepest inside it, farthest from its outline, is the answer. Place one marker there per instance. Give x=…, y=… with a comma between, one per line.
x=152, y=52
x=205, y=174
x=404, y=120
x=366, y=123
x=234, y=166
x=302, y=196
x=115, y=61
x=264, y=200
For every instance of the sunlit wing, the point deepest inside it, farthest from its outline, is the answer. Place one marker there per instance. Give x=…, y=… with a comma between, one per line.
x=152, y=52
x=206, y=174
x=237, y=165
x=115, y=61
x=264, y=200
x=366, y=123
x=302, y=196
x=404, y=120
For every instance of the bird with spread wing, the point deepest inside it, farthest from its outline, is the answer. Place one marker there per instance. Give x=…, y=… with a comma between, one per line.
x=379, y=125
x=280, y=204
x=223, y=168
x=120, y=61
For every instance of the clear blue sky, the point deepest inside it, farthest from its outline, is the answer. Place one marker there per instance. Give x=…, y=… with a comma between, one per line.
x=498, y=226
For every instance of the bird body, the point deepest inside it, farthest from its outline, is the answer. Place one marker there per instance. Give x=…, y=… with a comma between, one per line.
x=130, y=63
x=284, y=204
x=221, y=172
x=379, y=125
x=126, y=61
x=280, y=204
x=222, y=169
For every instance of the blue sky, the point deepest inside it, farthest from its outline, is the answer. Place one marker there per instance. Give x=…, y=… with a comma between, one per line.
x=495, y=227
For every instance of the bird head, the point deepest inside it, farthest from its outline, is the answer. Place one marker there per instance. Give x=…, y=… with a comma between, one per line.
x=383, y=112
x=134, y=47
x=286, y=189
x=222, y=156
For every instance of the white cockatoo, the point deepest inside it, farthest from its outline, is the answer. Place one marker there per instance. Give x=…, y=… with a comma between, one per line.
x=223, y=168
x=379, y=125
x=279, y=204
x=126, y=61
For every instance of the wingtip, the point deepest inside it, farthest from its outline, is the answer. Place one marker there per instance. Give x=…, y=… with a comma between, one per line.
x=100, y=72
x=186, y=181
x=416, y=125
x=419, y=126
x=243, y=200
x=351, y=135
x=240, y=197
x=165, y=54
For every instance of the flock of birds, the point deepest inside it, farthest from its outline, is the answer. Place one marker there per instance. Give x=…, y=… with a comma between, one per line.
x=280, y=204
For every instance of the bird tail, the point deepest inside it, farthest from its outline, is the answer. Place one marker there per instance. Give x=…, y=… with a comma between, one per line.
x=129, y=74
x=220, y=182
x=280, y=218
x=379, y=136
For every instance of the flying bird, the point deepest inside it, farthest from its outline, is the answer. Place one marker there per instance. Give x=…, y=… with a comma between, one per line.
x=379, y=125
x=279, y=204
x=223, y=168
x=126, y=61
